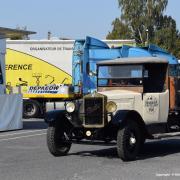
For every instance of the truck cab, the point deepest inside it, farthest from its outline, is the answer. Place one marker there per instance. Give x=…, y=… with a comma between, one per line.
x=136, y=84
x=131, y=104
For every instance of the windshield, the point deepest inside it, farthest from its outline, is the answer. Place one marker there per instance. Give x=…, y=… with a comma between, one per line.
x=120, y=75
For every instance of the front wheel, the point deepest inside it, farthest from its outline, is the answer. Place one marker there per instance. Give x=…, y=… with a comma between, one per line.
x=129, y=141
x=57, y=140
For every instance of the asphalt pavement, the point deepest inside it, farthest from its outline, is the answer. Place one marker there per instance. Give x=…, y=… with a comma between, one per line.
x=24, y=156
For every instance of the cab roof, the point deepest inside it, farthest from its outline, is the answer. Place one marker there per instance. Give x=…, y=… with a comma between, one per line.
x=136, y=60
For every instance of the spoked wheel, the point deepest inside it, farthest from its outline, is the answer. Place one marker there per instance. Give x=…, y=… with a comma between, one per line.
x=129, y=141
x=58, y=141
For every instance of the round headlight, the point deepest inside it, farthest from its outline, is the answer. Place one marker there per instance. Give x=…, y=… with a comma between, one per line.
x=111, y=107
x=70, y=107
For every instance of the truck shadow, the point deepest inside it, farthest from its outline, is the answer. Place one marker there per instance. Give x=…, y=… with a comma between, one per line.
x=34, y=124
x=108, y=153
x=160, y=148
x=150, y=150
x=99, y=143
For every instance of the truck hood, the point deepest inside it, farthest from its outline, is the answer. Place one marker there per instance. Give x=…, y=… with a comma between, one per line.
x=124, y=99
x=116, y=94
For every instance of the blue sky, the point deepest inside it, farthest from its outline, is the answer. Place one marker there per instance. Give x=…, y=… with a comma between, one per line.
x=67, y=18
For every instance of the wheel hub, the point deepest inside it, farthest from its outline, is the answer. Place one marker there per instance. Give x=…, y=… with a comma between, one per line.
x=132, y=141
x=30, y=109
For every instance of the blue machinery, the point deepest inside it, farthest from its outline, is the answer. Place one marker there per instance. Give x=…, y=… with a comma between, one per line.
x=87, y=52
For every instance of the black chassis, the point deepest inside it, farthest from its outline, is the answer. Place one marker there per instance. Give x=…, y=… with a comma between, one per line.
x=71, y=122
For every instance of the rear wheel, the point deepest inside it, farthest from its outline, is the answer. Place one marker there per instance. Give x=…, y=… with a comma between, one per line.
x=129, y=140
x=58, y=141
x=31, y=108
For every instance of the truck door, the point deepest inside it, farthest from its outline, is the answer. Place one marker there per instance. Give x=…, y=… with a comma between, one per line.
x=156, y=107
x=151, y=107
x=156, y=94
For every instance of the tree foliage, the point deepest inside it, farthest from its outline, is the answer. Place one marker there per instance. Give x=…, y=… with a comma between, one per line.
x=120, y=29
x=144, y=20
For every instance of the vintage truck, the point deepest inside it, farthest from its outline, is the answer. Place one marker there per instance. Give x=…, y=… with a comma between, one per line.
x=126, y=94
x=130, y=104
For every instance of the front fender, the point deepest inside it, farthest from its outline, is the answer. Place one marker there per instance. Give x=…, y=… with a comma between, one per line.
x=55, y=115
x=120, y=117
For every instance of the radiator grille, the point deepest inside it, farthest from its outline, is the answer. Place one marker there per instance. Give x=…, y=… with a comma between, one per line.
x=93, y=108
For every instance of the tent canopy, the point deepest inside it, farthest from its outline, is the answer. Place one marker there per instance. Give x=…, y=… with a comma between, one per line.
x=10, y=33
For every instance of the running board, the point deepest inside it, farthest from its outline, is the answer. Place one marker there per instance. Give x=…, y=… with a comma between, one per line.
x=165, y=135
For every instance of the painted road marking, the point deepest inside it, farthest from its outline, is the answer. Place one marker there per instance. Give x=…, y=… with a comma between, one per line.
x=14, y=138
x=24, y=132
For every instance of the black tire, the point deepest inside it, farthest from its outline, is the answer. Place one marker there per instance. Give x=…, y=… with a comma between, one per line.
x=129, y=141
x=31, y=108
x=143, y=140
x=57, y=140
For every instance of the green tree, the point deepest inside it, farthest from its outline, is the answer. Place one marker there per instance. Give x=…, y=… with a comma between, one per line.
x=141, y=16
x=144, y=20
x=177, y=50
x=132, y=14
x=166, y=34
x=120, y=29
